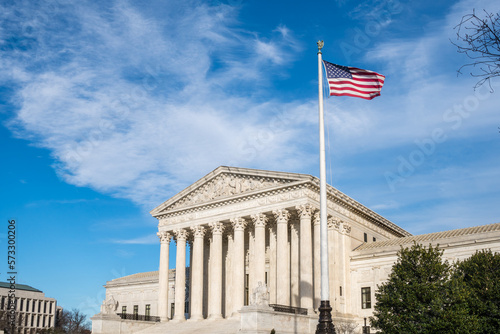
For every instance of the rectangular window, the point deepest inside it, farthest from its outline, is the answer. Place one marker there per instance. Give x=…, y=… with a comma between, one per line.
x=39, y=306
x=136, y=312
x=21, y=305
x=374, y=239
x=27, y=305
x=32, y=320
x=45, y=307
x=50, y=307
x=2, y=305
x=43, y=321
x=124, y=310
x=365, y=237
x=340, y=291
x=366, y=298
x=33, y=306
x=148, y=311
x=172, y=310
x=246, y=290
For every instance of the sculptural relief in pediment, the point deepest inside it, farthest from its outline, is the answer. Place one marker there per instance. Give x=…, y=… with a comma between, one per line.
x=226, y=185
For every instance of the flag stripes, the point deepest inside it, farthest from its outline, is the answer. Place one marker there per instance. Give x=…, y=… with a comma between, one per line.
x=353, y=81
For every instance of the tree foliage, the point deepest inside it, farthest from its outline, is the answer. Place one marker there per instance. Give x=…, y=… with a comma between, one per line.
x=481, y=274
x=346, y=326
x=479, y=38
x=421, y=297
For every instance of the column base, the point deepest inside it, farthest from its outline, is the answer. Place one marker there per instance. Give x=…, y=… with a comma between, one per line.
x=178, y=318
x=236, y=315
x=164, y=319
x=195, y=318
x=325, y=324
x=215, y=317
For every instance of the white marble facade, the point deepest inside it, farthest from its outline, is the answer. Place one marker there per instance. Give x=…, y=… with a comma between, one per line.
x=246, y=227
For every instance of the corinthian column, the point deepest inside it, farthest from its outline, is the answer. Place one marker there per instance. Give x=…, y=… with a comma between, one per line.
x=197, y=273
x=239, y=225
x=259, y=221
x=282, y=260
x=180, y=274
x=306, y=276
x=215, y=295
x=317, y=263
x=346, y=235
x=163, y=275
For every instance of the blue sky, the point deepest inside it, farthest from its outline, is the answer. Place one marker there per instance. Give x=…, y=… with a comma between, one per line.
x=108, y=109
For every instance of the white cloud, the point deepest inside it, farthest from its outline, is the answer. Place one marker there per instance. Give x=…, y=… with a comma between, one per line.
x=151, y=239
x=137, y=106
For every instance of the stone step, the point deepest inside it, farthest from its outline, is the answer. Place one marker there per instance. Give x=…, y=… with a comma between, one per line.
x=223, y=326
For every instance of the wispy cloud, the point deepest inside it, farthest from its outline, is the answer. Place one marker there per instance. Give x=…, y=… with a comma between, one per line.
x=145, y=240
x=135, y=105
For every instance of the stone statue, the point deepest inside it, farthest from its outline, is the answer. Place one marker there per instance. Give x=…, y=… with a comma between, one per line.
x=109, y=306
x=260, y=295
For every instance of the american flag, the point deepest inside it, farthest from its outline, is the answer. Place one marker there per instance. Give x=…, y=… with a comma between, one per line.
x=352, y=81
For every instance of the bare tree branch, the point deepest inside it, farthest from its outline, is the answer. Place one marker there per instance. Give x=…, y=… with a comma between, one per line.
x=479, y=39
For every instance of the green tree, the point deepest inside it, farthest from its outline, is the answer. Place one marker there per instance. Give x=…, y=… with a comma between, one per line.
x=419, y=296
x=481, y=274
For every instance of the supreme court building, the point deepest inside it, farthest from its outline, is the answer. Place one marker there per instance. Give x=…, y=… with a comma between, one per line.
x=253, y=239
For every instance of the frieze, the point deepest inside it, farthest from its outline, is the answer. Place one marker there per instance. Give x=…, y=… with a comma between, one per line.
x=224, y=186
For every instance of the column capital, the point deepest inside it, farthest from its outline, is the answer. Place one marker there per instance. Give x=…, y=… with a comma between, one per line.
x=333, y=223
x=239, y=224
x=317, y=218
x=259, y=220
x=217, y=227
x=281, y=216
x=294, y=226
x=346, y=228
x=198, y=231
x=181, y=234
x=164, y=237
x=305, y=210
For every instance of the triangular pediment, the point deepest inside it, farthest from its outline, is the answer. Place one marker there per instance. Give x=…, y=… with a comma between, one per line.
x=226, y=182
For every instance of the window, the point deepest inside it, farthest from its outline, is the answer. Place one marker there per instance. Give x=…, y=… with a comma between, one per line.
x=246, y=290
x=172, y=310
x=27, y=305
x=365, y=237
x=340, y=291
x=50, y=307
x=366, y=298
x=136, y=312
x=374, y=239
x=39, y=306
x=124, y=310
x=148, y=311
x=21, y=306
x=2, y=305
x=45, y=308
x=33, y=306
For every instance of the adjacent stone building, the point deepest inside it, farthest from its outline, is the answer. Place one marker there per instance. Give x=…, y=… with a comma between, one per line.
x=33, y=311
x=253, y=239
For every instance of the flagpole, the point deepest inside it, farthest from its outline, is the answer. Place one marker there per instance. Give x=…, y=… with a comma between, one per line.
x=325, y=324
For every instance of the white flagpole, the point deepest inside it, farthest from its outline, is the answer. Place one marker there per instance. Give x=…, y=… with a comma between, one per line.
x=325, y=324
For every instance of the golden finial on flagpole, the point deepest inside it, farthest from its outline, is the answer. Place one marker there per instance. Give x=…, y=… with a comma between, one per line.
x=320, y=46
